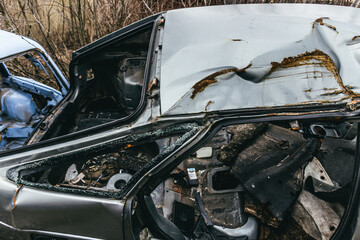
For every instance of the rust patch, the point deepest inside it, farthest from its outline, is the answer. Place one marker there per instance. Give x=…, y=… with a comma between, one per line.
x=207, y=105
x=301, y=59
x=325, y=61
x=205, y=82
x=355, y=37
x=201, y=85
x=153, y=83
x=15, y=196
x=320, y=21
x=309, y=102
x=309, y=90
x=335, y=92
x=353, y=105
x=128, y=146
x=161, y=22
x=156, y=119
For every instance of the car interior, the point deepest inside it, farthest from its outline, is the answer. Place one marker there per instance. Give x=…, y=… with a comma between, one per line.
x=268, y=180
x=112, y=88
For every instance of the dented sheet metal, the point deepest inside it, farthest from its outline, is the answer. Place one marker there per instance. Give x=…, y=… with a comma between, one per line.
x=247, y=57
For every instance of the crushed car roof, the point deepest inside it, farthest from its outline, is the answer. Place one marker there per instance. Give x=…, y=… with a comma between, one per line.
x=12, y=44
x=250, y=56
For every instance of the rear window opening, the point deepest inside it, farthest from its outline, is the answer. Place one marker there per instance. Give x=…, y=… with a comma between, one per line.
x=114, y=82
x=111, y=84
x=276, y=180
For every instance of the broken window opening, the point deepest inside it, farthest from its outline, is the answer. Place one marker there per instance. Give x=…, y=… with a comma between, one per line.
x=113, y=83
x=108, y=170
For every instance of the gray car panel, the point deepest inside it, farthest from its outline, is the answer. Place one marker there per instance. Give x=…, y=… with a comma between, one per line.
x=243, y=58
x=33, y=210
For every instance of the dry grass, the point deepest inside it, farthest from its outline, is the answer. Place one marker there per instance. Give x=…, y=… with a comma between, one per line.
x=62, y=26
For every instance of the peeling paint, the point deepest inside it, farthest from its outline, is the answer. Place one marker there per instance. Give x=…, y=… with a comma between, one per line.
x=320, y=21
x=161, y=22
x=15, y=196
x=205, y=82
x=301, y=59
x=355, y=37
x=353, y=105
x=201, y=85
x=153, y=83
x=325, y=61
x=332, y=93
x=207, y=105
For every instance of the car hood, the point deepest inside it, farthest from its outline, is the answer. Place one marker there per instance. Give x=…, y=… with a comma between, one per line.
x=251, y=56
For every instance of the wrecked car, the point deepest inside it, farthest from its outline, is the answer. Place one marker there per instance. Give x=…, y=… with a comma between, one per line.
x=31, y=85
x=226, y=122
